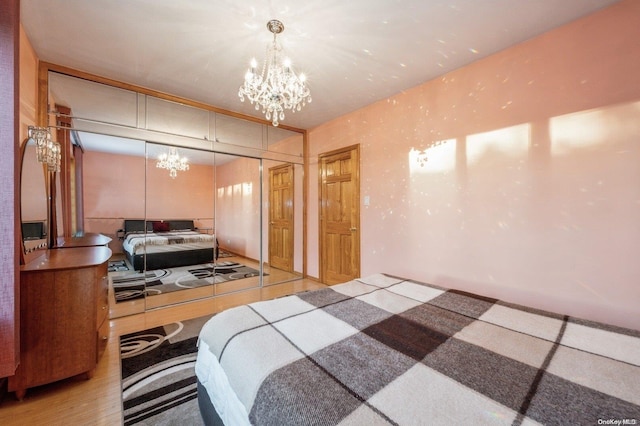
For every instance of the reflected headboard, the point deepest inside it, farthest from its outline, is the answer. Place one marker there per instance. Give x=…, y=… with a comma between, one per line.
x=180, y=225
x=138, y=225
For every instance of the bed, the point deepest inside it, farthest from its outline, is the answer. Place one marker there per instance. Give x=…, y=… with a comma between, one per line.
x=385, y=350
x=166, y=244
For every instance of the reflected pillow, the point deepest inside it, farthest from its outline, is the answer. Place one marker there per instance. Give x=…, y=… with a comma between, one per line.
x=160, y=226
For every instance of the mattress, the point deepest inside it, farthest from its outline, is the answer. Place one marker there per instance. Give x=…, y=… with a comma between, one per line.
x=385, y=350
x=152, y=249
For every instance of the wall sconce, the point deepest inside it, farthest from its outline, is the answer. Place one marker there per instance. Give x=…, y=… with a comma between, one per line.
x=47, y=150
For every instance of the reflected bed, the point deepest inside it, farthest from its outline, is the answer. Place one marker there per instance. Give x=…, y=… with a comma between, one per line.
x=166, y=244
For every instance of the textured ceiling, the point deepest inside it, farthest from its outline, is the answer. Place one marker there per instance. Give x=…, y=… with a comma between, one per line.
x=354, y=52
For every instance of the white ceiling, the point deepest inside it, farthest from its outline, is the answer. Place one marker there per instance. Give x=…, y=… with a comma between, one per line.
x=353, y=52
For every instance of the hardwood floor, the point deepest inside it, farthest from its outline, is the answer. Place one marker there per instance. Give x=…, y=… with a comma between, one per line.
x=97, y=401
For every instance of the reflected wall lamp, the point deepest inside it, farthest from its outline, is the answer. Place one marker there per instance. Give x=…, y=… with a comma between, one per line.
x=277, y=87
x=48, y=151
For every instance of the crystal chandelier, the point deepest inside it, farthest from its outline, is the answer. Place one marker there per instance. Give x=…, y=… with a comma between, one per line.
x=48, y=152
x=277, y=87
x=172, y=162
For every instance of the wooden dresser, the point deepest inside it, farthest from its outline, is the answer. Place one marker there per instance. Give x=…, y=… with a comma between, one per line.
x=63, y=315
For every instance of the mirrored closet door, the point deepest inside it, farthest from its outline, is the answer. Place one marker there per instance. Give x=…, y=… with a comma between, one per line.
x=238, y=223
x=197, y=203
x=180, y=245
x=114, y=194
x=282, y=221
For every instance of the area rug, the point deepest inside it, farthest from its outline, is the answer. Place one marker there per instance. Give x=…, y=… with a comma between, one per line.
x=118, y=266
x=223, y=253
x=134, y=285
x=158, y=377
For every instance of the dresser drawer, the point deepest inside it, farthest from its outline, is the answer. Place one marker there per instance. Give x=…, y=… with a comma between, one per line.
x=63, y=311
x=102, y=299
x=103, y=339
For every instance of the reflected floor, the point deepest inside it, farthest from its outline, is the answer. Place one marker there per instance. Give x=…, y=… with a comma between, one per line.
x=192, y=288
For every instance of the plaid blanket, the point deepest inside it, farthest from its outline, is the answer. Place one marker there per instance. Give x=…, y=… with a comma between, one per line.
x=383, y=350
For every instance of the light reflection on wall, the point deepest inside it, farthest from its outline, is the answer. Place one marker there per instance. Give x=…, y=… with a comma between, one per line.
x=247, y=188
x=588, y=128
x=511, y=141
x=577, y=130
x=238, y=189
x=237, y=220
x=440, y=157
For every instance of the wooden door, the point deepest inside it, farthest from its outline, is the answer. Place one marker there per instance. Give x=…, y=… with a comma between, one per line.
x=281, y=217
x=340, y=215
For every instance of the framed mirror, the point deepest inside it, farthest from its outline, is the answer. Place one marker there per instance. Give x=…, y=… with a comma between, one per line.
x=33, y=200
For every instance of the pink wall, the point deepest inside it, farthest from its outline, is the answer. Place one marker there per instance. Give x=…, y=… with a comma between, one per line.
x=33, y=190
x=535, y=198
x=10, y=63
x=113, y=190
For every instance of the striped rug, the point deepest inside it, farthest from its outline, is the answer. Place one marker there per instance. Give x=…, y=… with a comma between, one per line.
x=158, y=379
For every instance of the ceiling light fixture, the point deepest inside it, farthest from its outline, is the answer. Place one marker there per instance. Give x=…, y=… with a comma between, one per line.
x=172, y=162
x=48, y=151
x=277, y=87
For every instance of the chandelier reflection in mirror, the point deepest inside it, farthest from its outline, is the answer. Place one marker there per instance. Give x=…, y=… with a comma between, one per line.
x=172, y=162
x=277, y=87
x=48, y=151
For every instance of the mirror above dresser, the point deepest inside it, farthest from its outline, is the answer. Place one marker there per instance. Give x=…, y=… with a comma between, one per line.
x=34, y=200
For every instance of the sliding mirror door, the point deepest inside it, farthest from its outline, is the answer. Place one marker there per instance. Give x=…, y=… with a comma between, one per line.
x=283, y=207
x=181, y=243
x=113, y=190
x=243, y=189
x=238, y=219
